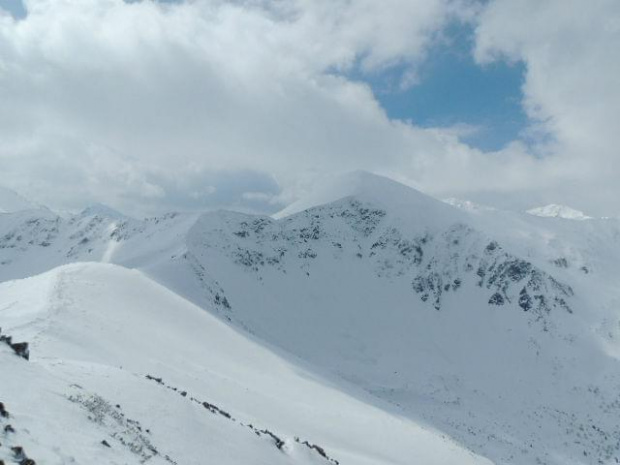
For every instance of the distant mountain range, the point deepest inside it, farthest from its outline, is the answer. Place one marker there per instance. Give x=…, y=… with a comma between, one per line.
x=365, y=324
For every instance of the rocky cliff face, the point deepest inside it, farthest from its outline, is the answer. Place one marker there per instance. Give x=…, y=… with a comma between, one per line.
x=432, y=262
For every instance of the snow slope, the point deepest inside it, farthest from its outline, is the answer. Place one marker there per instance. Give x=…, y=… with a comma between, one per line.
x=498, y=329
x=116, y=357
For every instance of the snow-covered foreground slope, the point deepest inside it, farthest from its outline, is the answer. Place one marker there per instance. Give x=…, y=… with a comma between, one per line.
x=500, y=330
x=116, y=357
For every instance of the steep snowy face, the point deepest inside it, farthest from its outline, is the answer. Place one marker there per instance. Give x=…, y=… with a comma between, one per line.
x=498, y=329
x=434, y=261
x=558, y=211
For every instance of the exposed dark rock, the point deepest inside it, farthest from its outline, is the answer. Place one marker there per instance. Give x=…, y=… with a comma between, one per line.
x=496, y=299
x=18, y=453
x=363, y=219
x=429, y=285
x=125, y=431
x=279, y=442
x=491, y=247
x=525, y=300
x=153, y=378
x=3, y=411
x=21, y=349
x=215, y=409
x=319, y=450
x=223, y=301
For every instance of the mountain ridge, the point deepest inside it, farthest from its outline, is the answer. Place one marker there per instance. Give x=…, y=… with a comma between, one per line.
x=85, y=335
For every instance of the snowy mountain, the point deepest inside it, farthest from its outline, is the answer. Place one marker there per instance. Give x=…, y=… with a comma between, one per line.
x=368, y=317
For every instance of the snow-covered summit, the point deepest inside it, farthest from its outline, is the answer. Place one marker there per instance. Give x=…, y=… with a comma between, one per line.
x=558, y=211
x=102, y=210
x=396, y=198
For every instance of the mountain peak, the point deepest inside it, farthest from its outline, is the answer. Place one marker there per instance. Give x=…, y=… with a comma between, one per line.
x=99, y=209
x=378, y=190
x=558, y=211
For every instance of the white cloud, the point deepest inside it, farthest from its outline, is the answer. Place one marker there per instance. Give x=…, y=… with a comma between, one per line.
x=144, y=104
x=572, y=52
x=101, y=97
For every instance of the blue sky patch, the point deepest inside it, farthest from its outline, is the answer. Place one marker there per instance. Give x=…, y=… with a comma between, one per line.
x=15, y=7
x=453, y=89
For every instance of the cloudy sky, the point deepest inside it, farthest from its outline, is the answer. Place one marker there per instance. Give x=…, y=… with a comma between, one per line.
x=148, y=105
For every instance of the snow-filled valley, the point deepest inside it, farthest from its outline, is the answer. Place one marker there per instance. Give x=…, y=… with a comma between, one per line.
x=365, y=324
